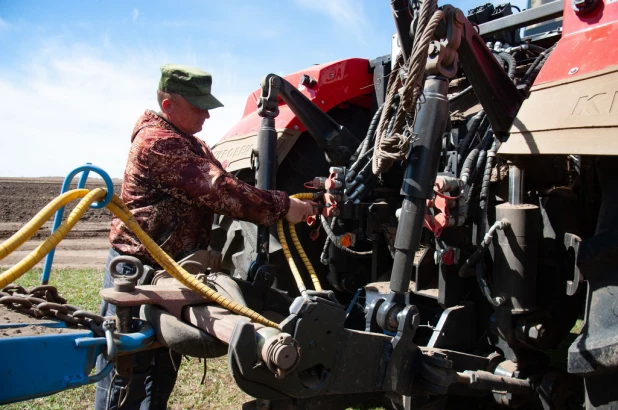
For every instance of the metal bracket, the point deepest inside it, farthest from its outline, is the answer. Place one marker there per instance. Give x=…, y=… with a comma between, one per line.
x=572, y=242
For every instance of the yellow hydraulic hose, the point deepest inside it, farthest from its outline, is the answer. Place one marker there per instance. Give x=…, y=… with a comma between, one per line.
x=303, y=256
x=118, y=208
x=299, y=247
x=121, y=211
x=288, y=255
x=43, y=249
x=39, y=219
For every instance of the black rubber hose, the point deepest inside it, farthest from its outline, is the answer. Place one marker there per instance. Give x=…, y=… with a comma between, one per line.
x=534, y=69
x=331, y=235
x=324, y=256
x=363, y=147
x=466, y=168
x=351, y=175
x=460, y=94
x=538, y=59
x=479, y=169
x=362, y=189
x=371, y=131
x=480, y=265
x=480, y=131
x=361, y=177
x=474, y=126
x=480, y=163
x=510, y=62
x=476, y=256
x=489, y=165
x=536, y=48
x=354, y=156
x=482, y=281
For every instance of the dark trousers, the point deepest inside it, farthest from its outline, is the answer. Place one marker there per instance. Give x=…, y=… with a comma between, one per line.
x=154, y=371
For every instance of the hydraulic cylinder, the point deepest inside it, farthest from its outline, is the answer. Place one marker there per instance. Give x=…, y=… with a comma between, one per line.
x=419, y=178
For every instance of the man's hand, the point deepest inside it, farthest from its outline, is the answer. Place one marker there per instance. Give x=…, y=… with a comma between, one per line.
x=300, y=210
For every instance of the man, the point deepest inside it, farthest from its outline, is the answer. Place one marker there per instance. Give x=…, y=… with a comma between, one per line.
x=173, y=185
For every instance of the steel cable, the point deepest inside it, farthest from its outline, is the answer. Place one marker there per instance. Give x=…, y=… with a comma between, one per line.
x=394, y=147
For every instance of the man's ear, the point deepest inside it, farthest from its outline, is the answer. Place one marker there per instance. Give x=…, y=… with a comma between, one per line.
x=166, y=105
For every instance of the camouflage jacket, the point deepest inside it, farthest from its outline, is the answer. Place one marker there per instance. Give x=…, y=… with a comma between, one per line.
x=173, y=185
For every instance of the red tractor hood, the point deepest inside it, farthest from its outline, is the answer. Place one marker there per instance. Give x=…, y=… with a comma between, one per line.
x=344, y=81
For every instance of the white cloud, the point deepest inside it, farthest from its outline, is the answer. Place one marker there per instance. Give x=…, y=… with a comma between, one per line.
x=135, y=15
x=3, y=24
x=73, y=105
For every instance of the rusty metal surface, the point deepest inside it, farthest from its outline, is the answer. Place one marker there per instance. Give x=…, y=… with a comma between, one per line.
x=574, y=116
x=172, y=298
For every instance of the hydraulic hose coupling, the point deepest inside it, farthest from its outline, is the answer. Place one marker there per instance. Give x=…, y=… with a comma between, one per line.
x=279, y=351
x=445, y=183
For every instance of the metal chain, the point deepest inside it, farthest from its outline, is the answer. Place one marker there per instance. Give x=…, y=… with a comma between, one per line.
x=45, y=302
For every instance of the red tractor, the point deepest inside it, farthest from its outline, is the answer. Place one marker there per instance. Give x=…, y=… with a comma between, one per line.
x=466, y=222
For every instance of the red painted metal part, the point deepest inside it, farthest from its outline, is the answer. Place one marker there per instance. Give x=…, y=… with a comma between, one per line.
x=339, y=82
x=440, y=221
x=589, y=43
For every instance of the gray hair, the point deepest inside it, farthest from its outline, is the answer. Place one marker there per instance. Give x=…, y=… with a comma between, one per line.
x=162, y=95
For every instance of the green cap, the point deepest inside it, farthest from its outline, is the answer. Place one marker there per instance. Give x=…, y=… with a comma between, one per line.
x=190, y=82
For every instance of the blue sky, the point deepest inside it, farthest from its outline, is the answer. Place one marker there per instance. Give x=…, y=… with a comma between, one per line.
x=75, y=75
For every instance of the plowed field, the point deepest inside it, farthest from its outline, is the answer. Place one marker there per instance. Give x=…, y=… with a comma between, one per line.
x=85, y=246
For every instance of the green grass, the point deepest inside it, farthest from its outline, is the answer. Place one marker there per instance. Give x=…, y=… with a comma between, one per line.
x=81, y=288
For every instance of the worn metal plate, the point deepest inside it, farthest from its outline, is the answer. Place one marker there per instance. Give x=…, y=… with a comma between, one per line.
x=172, y=298
x=573, y=116
x=235, y=153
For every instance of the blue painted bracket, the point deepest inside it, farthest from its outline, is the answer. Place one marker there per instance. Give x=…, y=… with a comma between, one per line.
x=37, y=366
x=86, y=169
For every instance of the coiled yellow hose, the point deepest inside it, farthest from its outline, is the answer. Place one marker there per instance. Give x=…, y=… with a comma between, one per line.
x=43, y=249
x=303, y=256
x=39, y=219
x=299, y=249
x=288, y=255
x=118, y=208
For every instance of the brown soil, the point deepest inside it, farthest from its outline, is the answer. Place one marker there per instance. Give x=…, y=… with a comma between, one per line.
x=33, y=329
x=20, y=200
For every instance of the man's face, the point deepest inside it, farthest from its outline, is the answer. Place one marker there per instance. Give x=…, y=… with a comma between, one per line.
x=185, y=116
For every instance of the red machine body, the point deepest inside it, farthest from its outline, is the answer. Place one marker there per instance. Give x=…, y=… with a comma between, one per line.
x=341, y=81
x=329, y=85
x=585, y=46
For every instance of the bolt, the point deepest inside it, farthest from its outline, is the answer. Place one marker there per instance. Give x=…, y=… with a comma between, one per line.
x=573, y=70
x=582, y=7
x=434, y=49
x=322, y=101
x=536, y=332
